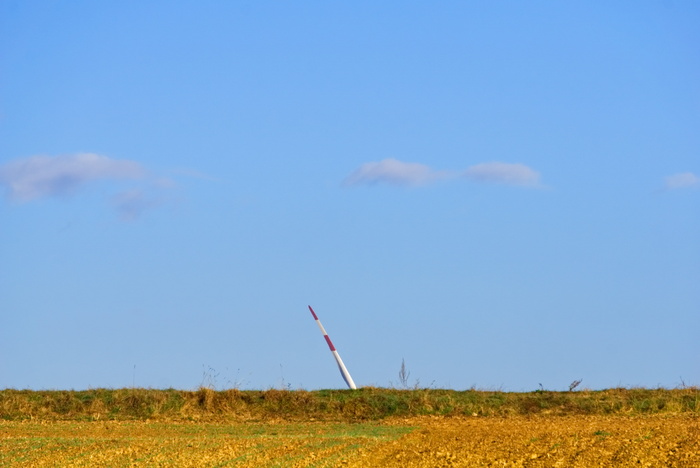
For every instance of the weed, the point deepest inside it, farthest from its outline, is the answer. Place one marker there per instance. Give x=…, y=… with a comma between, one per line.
x=574, y=384
x=403, y=375
x=209, y=377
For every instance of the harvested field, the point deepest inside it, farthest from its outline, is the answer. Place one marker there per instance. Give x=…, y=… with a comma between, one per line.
x=658, y=440
x=564, y=441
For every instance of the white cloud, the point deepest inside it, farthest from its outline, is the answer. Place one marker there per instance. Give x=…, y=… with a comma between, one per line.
x=392, y=171
x=46, y=176
x=504, y=173
x=682, y=180
x=39, y=177
x=395, y=172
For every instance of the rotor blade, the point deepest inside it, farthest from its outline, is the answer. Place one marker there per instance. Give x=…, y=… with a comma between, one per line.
x=341, y=366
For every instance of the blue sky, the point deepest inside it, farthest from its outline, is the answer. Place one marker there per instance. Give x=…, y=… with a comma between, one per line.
x=503, y=194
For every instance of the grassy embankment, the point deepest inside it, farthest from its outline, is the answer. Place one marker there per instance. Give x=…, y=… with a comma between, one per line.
x=333, y=405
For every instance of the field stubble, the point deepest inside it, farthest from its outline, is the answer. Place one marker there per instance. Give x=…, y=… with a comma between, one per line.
x=372, y=427
x=429, y=441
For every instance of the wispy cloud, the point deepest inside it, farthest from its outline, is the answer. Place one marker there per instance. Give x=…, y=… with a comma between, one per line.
x=395, y=172
x=130, y=204
x=39, y=177
x=504, y=173
x=681, y=181
x=46, y=176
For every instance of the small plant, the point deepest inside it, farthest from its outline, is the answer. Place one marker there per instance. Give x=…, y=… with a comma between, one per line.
x=574, y=384
x=237, y=383
x=284, y=385
x=403, y=375
x=209, y=377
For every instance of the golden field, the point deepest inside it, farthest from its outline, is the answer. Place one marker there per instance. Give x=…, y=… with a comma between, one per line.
x=539, y=441
x=362, y=428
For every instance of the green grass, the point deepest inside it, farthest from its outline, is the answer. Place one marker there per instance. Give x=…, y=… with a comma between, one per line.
x=332, y=405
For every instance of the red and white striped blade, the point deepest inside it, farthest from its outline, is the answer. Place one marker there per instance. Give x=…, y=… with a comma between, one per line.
x=341, y=366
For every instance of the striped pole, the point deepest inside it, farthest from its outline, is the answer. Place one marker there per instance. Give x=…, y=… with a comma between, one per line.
x=343, y=370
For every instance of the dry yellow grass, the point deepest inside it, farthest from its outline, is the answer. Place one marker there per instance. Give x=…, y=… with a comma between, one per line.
x=538, y=441
x=334, y=405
